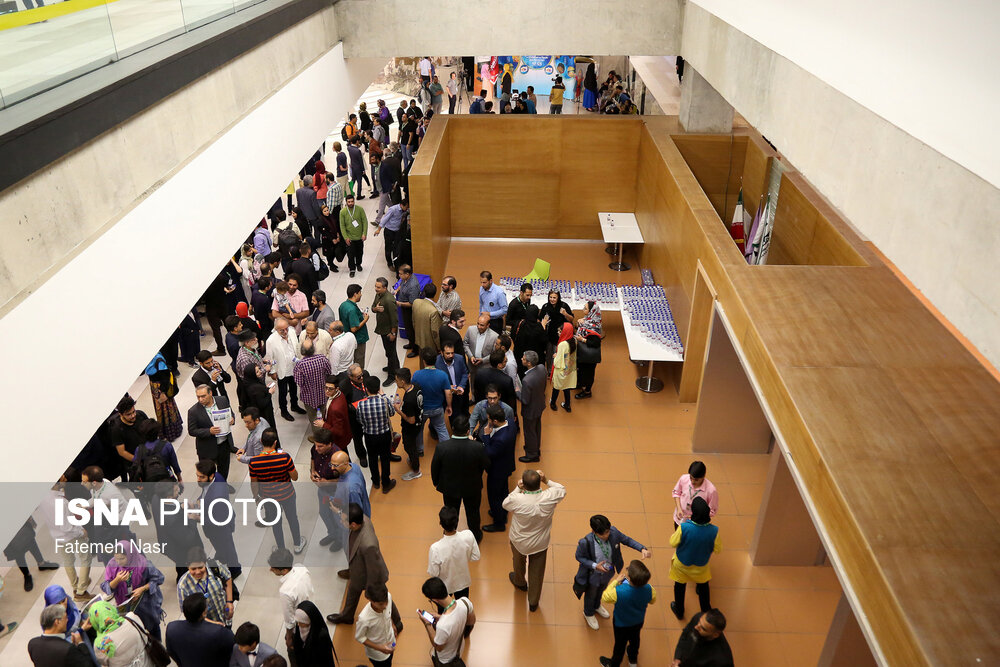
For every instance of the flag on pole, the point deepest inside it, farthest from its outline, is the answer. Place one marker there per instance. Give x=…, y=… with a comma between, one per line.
x=767, y=226
x=753, y=238
x=737, y=228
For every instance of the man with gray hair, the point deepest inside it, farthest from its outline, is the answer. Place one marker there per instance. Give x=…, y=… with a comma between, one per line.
x=342, y=346
x=305, y=197
x=310, y=376
x=532, y=406
x=51, y=648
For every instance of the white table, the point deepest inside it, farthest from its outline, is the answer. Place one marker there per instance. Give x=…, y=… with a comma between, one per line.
x=641, y=349
x=619, y=228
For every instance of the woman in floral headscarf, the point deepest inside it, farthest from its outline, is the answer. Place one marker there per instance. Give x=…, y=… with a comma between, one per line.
x=128, y=574
x=120, y=642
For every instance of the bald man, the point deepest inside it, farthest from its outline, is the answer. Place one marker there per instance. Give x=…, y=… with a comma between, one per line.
x=479, y=342
x=351, y=487
x=320, y=338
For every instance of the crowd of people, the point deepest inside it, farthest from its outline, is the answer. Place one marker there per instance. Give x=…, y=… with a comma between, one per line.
x=293, y=351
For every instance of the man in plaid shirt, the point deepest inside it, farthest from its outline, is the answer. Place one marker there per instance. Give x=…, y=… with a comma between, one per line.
x=218, y=590
x=310, y=375
x=374, y=411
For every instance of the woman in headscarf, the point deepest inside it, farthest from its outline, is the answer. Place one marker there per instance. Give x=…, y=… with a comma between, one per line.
x=695, y=540
x=256, y=393
x=590, y=88
x=120, y=642
x=588, y=352
x=128, y=574
x=57, y=595
x=530, y=335
x=311, y=643
x=564, y=368
x=167, y=413
x=554, y=314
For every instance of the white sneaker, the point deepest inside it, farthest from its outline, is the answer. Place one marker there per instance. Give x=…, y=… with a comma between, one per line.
x=592, y=622
x=300, y=546
x=603, y=613
x=409, y=476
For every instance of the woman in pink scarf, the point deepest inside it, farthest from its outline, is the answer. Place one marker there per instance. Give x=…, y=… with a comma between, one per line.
x=130, y=574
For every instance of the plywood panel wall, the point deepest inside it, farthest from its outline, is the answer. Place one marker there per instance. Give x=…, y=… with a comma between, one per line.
x=539, y=176
x=430, y=201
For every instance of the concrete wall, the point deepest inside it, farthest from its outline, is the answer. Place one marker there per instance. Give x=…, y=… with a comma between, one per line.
x=932, y=217
x=171, y=226
x=454, y=27
x=48, y=218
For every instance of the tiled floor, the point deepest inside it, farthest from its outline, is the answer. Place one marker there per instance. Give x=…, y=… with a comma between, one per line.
x=618, y=453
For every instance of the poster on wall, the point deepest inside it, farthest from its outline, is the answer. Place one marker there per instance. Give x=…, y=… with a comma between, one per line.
x=537, y=71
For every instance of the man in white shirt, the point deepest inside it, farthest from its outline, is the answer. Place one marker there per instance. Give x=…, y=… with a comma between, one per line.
x=342, y=347
x=425, y=70
x=377, y=625
x=448, y=628
x=448, y=558
x=71, y=540
x=531, y=510
x=296, y=586
x=282, y=349
x=321, y=339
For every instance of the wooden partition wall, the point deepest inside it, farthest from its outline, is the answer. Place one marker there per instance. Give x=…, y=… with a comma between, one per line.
x=886, y=417
x=430, y=202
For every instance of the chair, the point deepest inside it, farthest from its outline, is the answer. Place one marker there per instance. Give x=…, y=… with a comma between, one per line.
x=540, y=272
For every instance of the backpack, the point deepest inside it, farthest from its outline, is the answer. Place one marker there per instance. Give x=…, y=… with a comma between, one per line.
x=343, y=132
x=150, y=466
x=477, y=106
x=287, y=238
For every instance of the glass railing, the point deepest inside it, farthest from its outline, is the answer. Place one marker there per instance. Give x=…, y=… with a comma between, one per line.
x=44, y=43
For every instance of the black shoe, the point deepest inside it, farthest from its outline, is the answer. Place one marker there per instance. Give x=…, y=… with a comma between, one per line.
x=298, y=410
x=45, y=565
x=334, y=269
x=336, y=546
x=29, y=583
x=287, y=417
x=532, y=607
x=552, y=405
x=510, y=575
x=363, y=462
x=581, y=395
x=605, y=662
x=566, y=407
x=395, y=458
x=679, y=614
x=219, y=353
x=408, y=346
x=389, y=486
x=352, y=274
x=343, y=574
x=528, y=459
x=494, y=528
x=327, y=540
x=337, y=619
x=376, y=486
x=411, y=354
x=385, y=368
x=389, y=381
x=360, y=197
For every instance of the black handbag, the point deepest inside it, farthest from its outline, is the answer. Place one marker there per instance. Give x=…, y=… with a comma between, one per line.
x=155, y=650
x=589, y=352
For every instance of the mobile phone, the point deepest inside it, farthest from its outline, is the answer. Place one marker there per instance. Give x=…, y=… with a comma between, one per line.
x=426, y=615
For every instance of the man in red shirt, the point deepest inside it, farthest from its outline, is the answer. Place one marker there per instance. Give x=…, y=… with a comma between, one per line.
x=335, y=418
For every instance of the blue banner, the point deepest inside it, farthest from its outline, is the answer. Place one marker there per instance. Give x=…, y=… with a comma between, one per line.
x=538, y=72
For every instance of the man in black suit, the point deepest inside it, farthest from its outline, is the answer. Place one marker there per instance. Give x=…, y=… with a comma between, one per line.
x=196, y=641
x=457, y=472
x=451, y=331
x=532, y=406
x=498, y=439
x=210, y=442
x=51, y=648
x=493, y=375
x=211, y=374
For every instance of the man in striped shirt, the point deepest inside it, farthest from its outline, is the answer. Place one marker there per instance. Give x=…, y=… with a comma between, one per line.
x=271, y=474
x=374, y=412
